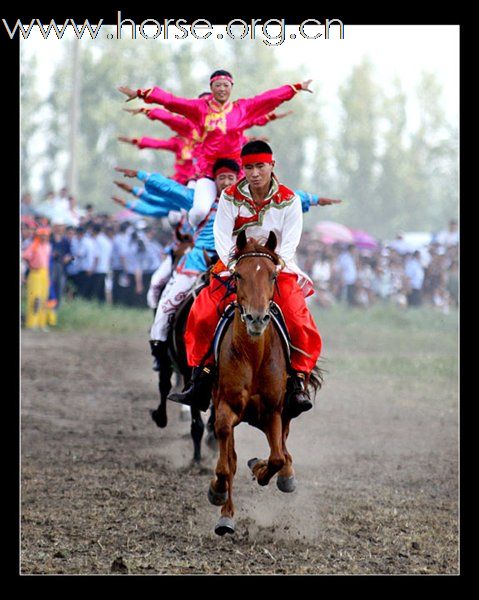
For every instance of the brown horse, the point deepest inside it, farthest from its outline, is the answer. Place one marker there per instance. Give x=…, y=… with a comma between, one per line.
x=252, y=374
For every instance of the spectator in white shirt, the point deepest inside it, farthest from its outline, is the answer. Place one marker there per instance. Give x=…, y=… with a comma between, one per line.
x=415, y=275
x=88, y=262
x=101, y=264
x=346, y=266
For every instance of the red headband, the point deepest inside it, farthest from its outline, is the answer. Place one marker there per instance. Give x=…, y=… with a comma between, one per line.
x=224, y=170
x=261, y=157
x=227, y=77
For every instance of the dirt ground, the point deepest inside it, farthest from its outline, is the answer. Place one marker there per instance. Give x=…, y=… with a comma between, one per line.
x=105, y=491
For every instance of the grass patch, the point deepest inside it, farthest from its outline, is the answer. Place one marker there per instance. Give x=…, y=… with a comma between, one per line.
x=388, y=331
x=81, y=315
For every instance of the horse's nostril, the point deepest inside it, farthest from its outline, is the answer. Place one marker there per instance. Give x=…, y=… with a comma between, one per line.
x=266, y=318
x=249, y=318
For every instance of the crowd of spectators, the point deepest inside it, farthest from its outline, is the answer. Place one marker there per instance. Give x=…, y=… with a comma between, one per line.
x=95, y=256
x=99, y=257
x=396, y=272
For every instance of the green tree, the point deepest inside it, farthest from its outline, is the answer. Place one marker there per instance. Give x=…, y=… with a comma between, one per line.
x=434, y=157
x=356, y=152
x=396, y=202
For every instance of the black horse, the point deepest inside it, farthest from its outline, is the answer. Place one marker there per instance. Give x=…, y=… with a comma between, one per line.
x=176, y=361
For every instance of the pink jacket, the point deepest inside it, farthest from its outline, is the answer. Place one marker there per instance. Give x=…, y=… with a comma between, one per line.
x=183, y=150
x=221, y=126
x=38, y=255
x=182, y=126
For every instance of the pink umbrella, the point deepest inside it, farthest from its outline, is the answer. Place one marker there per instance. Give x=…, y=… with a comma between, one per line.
x=362, y=239
x=331, y=232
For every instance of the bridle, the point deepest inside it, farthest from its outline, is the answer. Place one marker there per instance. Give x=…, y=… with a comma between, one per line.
x=233, y=263
x=232, y=267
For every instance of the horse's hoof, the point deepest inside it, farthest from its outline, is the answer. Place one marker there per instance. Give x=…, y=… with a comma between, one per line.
x=286, y=484
x=159, y=418
x=252, y=462
x=217, y=498
x=225, y=525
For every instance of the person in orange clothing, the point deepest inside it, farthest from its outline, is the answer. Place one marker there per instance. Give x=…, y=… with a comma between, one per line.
x=37, y=254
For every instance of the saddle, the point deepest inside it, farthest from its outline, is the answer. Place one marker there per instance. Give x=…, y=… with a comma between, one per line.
x=276, y=316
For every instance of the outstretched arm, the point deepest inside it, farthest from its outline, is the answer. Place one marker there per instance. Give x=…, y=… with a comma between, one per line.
x=265, y=103
x=127, y=172
x=171, y=144
x=141, y=175
x=124, y=186
x=265, y=119
x=119, y=201
x=148, y=210
x=180, y=125
x=127, y=140
x=308, y=200
x=190, y=108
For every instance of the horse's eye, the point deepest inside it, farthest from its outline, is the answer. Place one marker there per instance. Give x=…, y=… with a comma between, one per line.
x=237, y=276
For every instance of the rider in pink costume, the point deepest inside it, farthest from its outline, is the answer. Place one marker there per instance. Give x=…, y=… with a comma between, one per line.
x=222, y=123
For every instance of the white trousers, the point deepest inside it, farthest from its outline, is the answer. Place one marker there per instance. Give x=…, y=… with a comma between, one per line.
x=158, y=280
x=205, y=195
x=173, y=295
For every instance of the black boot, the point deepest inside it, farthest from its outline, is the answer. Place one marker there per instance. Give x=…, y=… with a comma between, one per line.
x=197, y=393
x=297, y=396
x=158, y=350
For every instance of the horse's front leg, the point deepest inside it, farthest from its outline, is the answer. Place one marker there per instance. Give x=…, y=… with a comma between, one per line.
x=264, y=470
x=220, y=492
x=286, y=480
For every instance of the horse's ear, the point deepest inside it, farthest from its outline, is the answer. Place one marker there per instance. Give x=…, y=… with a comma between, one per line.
x=272, y=241
x=241, y=241
x=178, y=233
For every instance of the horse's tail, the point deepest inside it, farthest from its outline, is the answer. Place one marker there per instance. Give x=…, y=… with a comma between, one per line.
x=316, y=378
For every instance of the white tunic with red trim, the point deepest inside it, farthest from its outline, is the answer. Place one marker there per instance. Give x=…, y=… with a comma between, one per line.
x=281, y=212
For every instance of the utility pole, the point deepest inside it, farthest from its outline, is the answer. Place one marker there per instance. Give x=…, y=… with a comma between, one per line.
x=74, y=118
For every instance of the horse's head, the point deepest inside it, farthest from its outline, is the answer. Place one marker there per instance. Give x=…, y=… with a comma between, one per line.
x=256, y=268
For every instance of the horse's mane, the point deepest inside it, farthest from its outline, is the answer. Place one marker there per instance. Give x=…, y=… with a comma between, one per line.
x=254, y=245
